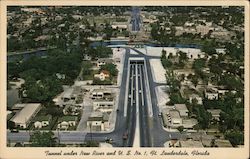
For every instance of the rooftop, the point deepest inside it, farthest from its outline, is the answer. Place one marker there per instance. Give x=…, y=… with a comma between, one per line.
x=174, y=114
x=214, y=112
x=26, y=113
x=98, y=116
x=181, y=107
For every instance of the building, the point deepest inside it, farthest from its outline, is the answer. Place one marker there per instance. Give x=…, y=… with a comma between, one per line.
x=98, y=121
x=102, y=75
x=215, y=113
x=42, y=121
x=171, y=119
x=66, y=121
x=119, y=26
x=103, y=105
x=184, y=72
x=195, y=97
x=103, y=61
x=203, y=29
x=26, y=114
x=211, y=94
x=182, y=108
x=101, y=94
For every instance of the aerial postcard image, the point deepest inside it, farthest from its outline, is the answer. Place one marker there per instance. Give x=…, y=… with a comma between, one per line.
x=125, y=80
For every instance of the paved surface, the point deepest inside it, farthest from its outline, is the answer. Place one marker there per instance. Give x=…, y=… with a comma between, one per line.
x=151, y=133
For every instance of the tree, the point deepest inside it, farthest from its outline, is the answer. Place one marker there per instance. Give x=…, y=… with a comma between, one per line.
x=11, y=125
x=199, y=64
x=111, y=68
x=235, y=137
x=182, y=56
x=43, y=139
x=180, y=129
x=203, y=116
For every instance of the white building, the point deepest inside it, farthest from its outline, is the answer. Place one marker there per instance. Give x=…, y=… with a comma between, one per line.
x=211, y=94
x=100, y=93
x=103, y=105
x=195, y=97
x=98, y=121
x=42, y=121
x=66, y=121
x=25, y=115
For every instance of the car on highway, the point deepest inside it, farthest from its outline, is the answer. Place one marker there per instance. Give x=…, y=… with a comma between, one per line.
x=108, y=140
x=139, y=91
x=129, y=95
x=125, y=135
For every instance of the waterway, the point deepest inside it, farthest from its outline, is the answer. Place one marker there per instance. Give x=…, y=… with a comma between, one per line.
x=44, y=52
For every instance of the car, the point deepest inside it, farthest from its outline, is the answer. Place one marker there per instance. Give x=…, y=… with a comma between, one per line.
x=139, y=91
x=134, y=101
x=14, y=131
x=159, y=114
x=108, y=140
x=125, y=136
x=129, y=95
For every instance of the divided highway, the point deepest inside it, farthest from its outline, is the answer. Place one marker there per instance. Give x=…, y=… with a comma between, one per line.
x=151, y=132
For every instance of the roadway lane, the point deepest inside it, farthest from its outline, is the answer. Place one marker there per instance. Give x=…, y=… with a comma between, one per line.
x=143, y=107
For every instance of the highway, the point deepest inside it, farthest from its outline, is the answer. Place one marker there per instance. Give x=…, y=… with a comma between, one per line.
x=135, y=19
x=143, y=108
x=151, y=129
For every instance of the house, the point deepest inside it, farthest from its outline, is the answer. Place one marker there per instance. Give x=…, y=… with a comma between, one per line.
x=188, y=124
x=72, y=109
x=66, y=121
x=184, y=72
x=87, y=57
x=98, y=121
x=215, y=113
x=182, y=108
x=102, y=75
x=195, y=97
x=101, y=94
x=103, y=105
x=28, y=111
x=211, y=94
x=119, y=26
x=103, y=61
x=42, y=121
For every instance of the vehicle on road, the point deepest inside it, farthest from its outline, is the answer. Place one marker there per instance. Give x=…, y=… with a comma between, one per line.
x=125, y=136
